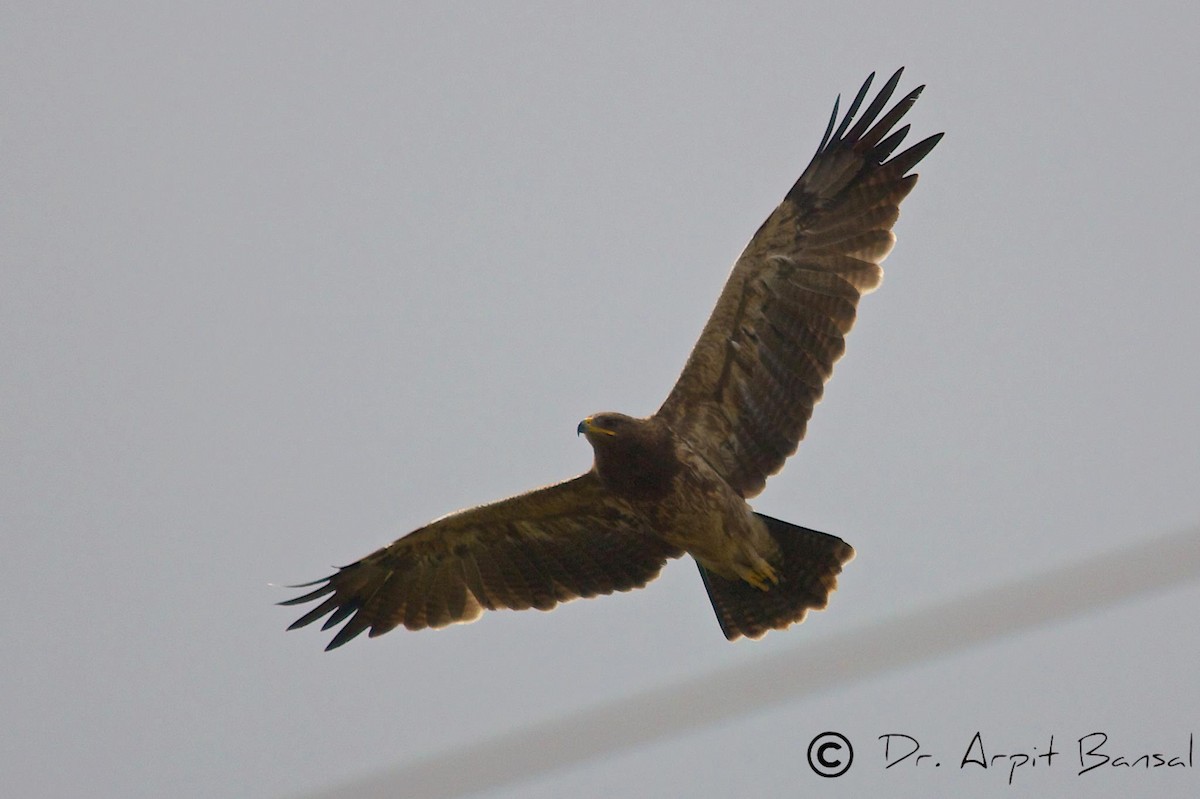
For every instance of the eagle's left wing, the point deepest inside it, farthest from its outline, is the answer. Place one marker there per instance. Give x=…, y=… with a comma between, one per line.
x=750, y=384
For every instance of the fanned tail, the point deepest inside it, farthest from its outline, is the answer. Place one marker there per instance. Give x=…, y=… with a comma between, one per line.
x=808, y=575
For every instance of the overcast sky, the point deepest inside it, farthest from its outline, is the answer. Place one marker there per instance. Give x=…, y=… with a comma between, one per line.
x=280, y=283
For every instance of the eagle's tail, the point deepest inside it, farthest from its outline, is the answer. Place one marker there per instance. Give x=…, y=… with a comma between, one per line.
x=811, y=564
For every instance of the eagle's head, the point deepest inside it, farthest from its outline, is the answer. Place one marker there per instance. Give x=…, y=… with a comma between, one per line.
x=635, y=458
x=601, y=427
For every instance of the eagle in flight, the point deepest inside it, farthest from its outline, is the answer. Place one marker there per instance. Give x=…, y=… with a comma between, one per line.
x=678, y=481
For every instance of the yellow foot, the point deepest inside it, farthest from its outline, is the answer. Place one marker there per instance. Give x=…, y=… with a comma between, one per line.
x=762, y=576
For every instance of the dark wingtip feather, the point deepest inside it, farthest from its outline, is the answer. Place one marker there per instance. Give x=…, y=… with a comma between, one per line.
x=868, y=139
x=853, y=109
x=885, y=147
x=906, y=160
x=320, y=610
x=352, y=630
x=311, y=582
x=341, y=614
x=326, y=587
x=832, y=122
x=875, y=107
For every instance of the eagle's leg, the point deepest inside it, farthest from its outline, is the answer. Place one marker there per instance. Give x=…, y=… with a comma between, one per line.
x=760, y=574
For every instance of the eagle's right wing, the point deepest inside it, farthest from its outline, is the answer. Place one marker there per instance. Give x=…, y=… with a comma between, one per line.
x=572, y=539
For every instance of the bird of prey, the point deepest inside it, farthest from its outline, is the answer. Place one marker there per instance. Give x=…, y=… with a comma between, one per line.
x=678, y=481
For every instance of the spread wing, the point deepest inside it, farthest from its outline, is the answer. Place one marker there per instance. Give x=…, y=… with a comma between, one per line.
x=568, y=540
x=750, y=384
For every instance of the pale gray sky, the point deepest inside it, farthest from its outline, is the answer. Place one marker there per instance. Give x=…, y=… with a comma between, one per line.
x=280, y=283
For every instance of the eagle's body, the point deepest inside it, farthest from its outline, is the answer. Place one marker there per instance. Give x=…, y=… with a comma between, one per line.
x=681, y=497
x=678, y=481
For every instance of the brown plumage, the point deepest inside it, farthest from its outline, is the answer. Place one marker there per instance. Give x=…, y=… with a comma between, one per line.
x=678, y=481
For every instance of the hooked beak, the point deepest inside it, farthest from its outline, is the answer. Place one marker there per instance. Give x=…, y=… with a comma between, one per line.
x=588, y=426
